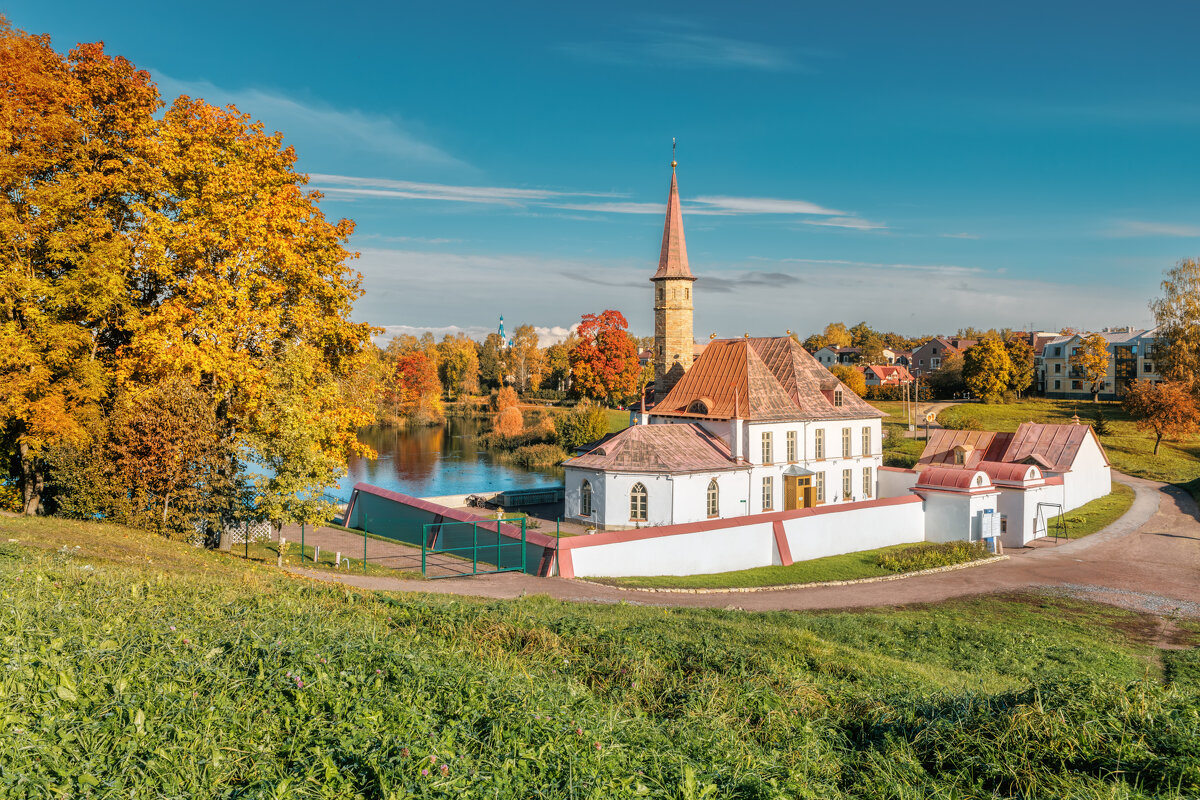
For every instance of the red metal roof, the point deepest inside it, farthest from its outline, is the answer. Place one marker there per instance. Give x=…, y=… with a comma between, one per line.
x=672, y=259
x=658, y=448
x=1009, y=472
x=1051, y=446
x=766, y=378
x=976, y=446
x=947, y=479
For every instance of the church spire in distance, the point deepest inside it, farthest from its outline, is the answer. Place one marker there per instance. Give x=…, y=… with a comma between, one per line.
x=672, y=259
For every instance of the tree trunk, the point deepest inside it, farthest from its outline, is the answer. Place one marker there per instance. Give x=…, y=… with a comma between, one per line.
x=32, y=482
x=1157, y=439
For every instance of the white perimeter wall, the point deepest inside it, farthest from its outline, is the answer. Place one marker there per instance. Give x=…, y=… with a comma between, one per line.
x=954, y=516
x=723, y=550
x=894, y=483
x=751, y=544
x=852, y=530
x=1019, y=507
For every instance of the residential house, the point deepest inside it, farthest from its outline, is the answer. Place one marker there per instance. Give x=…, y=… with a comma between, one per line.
x=885, y=375
x=929, y=357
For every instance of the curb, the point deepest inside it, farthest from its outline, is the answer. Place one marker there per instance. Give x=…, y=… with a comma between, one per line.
x=788, y=586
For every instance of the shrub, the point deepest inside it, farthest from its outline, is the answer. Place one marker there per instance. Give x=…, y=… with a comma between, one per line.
x=505, y=399
x=930, y=555
x=885, y=392
x=957, y=421
x=509, y=421
x=539, y=455
x=586, y=423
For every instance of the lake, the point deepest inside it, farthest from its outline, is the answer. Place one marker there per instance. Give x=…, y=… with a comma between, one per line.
x=430, y=462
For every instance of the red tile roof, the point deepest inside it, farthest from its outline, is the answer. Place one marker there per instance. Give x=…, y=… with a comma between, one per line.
x=672, y=259
x=1053, y=447
x=658, y=448
x=769, y=378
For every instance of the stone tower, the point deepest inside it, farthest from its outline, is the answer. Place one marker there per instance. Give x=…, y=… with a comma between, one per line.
x=673, y=342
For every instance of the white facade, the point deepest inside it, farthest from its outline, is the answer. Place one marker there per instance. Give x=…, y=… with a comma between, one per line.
x=683, y=497
x=1090, y=476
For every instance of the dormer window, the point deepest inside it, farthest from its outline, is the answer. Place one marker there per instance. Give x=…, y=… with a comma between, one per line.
x=837, y=397
x=700, y=406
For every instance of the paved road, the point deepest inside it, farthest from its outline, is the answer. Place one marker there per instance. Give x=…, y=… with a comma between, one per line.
x=919, y=418
x=1149, y=560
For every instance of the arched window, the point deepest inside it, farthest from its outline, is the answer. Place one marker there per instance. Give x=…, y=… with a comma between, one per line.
x=637, y=503
x=979, y=480
x=714, y=499
x=585, y=499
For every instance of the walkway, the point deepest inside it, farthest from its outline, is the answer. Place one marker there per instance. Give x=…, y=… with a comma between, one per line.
x=936, y=408
x=1148, y=560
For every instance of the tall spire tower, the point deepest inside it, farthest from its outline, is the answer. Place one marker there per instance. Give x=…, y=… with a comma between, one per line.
x=673, y=343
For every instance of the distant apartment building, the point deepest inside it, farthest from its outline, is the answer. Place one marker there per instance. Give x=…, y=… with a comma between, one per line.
x=929, y=357
x=1131, y=356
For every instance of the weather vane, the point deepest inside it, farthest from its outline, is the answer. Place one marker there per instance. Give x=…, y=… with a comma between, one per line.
x=673, y=161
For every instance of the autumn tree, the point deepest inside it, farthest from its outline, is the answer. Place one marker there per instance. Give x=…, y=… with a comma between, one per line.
x=836, y=335
x=813, y=342
x=458, y=365
x=1167, y=408
x=604, y=363
x=493, y=366
x=1020, y=356
x=947, y=379
x=412, y=390
x=1177, y=313
x=141, y=250
x=1090, y=360
x=855, y=381
x=558, y=364
x=987, y=369
x=583, y=424
x=526, y=358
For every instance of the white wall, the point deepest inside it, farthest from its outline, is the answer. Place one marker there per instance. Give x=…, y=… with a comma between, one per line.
x=1089, y=477
x=1019, y=507
x=851, y=530
x=954, y=516
x=697, y=553
x=896, y=483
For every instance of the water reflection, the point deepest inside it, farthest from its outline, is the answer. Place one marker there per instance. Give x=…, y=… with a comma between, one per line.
x=428, y=462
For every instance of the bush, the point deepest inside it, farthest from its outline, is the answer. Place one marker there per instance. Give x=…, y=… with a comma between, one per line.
x=505, y=399
x=539, y=455
x=509, y=422
x=930, y=555
x=957, y=421
x=885, y=392
x=586, y=423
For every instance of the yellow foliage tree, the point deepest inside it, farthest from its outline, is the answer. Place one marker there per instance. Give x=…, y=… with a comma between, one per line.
x=1090, y=358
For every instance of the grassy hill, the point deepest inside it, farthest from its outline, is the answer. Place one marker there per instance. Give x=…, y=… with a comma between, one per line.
x=135, y=667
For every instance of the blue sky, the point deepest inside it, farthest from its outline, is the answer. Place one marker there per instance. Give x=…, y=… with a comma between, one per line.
x=921, y=166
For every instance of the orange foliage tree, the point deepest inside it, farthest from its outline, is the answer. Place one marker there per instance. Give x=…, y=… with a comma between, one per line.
x=1166, y=408
x=604, y=363
x=141, y=250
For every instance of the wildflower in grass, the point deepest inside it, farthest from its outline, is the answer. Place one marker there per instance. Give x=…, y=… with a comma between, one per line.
x=425, y=773
x=445, y=769
x=378, y=671
x=172, y=627
x=579, y=731
x=404, y=752
x=597, y=745
x=433, y=759
x=299, y=683
x=323, y=661
x=185, y=641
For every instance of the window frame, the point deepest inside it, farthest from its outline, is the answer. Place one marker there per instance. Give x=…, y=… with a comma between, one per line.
x=768, y=493
x=712, y=499
x=585, y=498
x=868, y=484
x=819, y=483
x=847, y=483
x=819, y=444
x=633, y=504
x=793, y=449
x=847, y=442
x=867, y=440
x=768, y=447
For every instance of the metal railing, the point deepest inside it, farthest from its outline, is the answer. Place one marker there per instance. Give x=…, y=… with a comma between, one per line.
x=487, y=544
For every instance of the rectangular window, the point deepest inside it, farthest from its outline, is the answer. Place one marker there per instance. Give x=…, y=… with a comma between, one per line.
x=866, y=442
x=1148, y=366
x=791, y=447
x=766, y=448
x=819, y=443
x=768, y=495
x=1058, y=384
x=1077, y=385
x=935, y=362
x=845, y=442
x=820, y=483
x=868, y=484
x=1058, y=369
x=847, y=483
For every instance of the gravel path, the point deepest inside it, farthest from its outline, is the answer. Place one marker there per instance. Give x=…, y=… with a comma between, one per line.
x=1148, y=560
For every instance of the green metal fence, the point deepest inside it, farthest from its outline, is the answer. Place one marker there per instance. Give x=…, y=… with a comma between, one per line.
x=469, y=544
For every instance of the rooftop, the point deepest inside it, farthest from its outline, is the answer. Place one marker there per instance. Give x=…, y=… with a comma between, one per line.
x=657, y=448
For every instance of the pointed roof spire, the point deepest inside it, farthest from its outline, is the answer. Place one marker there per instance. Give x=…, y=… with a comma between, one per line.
x=672, y=259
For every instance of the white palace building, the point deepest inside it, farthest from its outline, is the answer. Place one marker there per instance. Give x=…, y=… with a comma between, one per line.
x=755, y=454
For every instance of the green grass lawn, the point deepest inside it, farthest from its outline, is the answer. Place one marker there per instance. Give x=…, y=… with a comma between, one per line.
x=617, y=420
x=135, y=667
x=845, y=567
x=1129, y=450
x=1098, y=514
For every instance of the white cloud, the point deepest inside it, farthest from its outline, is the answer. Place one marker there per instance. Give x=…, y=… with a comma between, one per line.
x=848, y=222
x=762, y=205
x=413, y=190
x=1138, y=228
x=685, y=49
x=312, y=122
